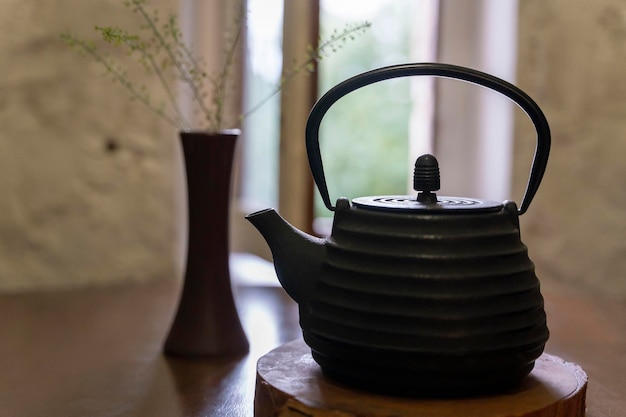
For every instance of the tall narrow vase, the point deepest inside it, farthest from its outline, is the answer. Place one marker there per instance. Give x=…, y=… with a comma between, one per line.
x=207, y=322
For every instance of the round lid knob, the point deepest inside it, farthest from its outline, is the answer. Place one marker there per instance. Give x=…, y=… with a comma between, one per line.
x=426, y=178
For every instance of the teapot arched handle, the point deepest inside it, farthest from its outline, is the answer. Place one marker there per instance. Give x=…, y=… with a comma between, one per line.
x=542, y=150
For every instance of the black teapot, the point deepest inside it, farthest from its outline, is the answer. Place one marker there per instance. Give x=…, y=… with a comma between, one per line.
x=419, y=295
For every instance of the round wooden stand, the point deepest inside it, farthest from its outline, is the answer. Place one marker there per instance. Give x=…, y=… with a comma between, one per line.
x=290, y=383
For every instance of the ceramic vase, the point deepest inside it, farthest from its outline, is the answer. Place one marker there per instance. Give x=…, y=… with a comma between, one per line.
x=206, y=321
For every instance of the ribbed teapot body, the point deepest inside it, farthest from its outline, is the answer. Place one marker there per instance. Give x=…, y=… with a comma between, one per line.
x=426, y=303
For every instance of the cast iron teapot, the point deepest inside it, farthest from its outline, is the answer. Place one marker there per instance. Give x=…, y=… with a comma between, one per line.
x=416, y=295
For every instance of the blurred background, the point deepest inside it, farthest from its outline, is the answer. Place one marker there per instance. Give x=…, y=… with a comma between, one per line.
x=91, y=184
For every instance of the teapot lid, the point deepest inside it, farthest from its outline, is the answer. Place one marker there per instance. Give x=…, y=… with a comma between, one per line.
x=426, y=179
x=409, y=203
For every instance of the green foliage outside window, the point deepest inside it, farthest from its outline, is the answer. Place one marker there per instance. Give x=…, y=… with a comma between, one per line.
x=364, y=136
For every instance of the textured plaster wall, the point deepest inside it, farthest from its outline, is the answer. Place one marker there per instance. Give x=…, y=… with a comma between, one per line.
x=88, y=179
x=572, y=60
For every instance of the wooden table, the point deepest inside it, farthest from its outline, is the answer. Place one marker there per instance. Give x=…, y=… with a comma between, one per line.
x=97, y=352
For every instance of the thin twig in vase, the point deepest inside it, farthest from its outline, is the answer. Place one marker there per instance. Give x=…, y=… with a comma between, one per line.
x=166, y=49
x=313, y=56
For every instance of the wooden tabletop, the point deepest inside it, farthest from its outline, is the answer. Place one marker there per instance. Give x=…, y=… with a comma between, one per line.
x=97, y=352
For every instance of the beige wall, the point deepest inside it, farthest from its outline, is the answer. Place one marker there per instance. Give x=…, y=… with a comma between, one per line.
x=572, y=60
x=71, y=211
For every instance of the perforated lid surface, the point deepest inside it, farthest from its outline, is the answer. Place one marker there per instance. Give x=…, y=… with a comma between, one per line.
x=410, y=203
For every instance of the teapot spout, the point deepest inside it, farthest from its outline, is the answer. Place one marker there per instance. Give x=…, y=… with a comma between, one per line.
x=298, y=256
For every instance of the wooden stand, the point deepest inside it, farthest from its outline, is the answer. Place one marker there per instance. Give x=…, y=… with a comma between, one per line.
x=290, y=383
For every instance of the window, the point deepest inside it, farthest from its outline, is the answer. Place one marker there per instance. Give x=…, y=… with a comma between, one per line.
x=259, y=185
